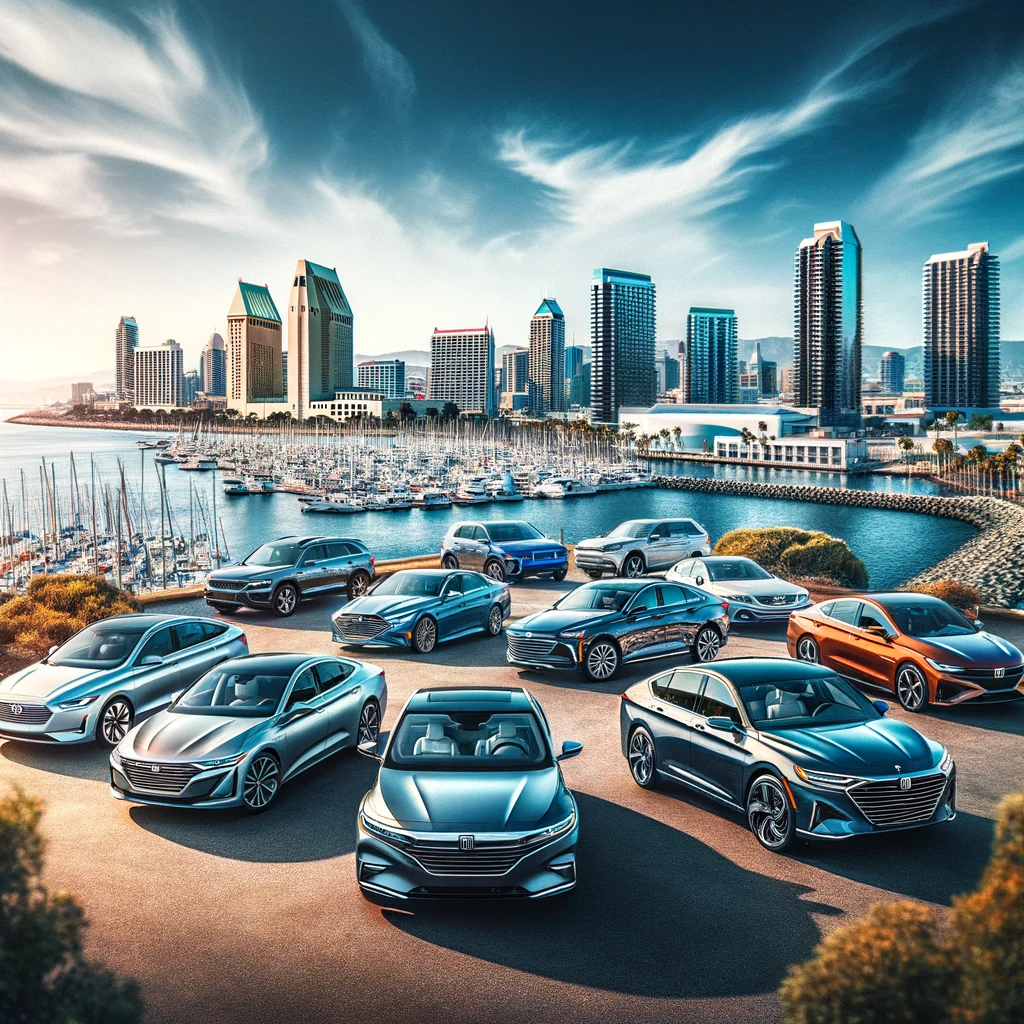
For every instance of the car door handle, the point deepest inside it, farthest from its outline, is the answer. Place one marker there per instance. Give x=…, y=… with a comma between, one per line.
x=657, y=616
x=659, y=709
x=319, y=711
x=351, y=690
x=697, y=725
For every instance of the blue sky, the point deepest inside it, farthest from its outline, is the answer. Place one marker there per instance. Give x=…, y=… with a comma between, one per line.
x=454, y=160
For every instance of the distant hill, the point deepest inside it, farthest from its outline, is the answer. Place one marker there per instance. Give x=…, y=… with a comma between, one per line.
x=28, y=394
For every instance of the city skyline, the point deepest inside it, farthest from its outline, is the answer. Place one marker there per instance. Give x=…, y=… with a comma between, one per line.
x=184, y=171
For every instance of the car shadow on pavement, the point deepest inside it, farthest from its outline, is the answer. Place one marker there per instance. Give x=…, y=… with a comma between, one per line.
x=1008, y=718
x=656, y=914
x=313, y=818
x=85, y=761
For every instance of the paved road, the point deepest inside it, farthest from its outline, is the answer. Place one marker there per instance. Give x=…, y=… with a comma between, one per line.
x=679, y=914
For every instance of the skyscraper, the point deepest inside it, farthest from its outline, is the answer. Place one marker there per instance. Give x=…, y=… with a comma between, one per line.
x=766, y=373
x=547, y=357
x=961, y=330
x=190, y=386
x=577, y=376
x=213, y=379
x=892, y=372
x=254, y=348
x=462, y=369
x=515, y=370
x=126, y=341
x=709, y=372
x=159, y=380
x=382, y=376
x=320, y=340
x=828, y=323
x=622, y=324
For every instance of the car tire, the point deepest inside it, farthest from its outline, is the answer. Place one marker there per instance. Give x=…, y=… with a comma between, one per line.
x=642, y=758
x=368, y=729
x=807, y=650
x=633, y=566
x=115, y=719
x=494, y=569
x=449, y=562
x=424, y=635
x=594, y=574
x=495, y=620
x=261, y=783
x=285, y=600
x=770, y=815
x=911, y=688
x=602, y=660
x=706, y=644
x=358, y=584
x=559, y=574
x=224, y=609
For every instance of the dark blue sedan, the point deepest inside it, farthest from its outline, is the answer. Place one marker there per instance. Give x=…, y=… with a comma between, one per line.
x=420, y=608
x=790, y=745
x=503, y=549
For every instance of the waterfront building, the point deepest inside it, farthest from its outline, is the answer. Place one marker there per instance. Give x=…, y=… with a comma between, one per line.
x=213, y=374
x=346, y=405
x=547, y=357
x=815, y=450
x=416, y=385
x=383, y=376
x=126, y=341
x=577, y=376
x=711, y=372
x=622, y=330
x=320, y=339
x=254, y=375
x=961, y=330
x=159, y=376
x=515, y=371
x=667, y=368
x=462, y=369
x=191, y=385
x=828, y=323
x=82, y=394
x=892, y=372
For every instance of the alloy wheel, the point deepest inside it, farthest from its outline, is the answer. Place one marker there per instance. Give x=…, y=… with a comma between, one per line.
x=807, y=650
x=358, y=584
x=495, y=571
x=602, y=660
x=261, y=782
x=115, y=721
x=911, y=688
x=495, y=620
x=369, y=723
x=633, y=567
x=707, y=645
x=768, y=813
x=425, y=635
x=450, y=562
x=641, y=758
x=285, y=600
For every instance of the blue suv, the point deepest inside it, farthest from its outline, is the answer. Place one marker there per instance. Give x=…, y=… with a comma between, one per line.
x=281, y=573
x=503, y=549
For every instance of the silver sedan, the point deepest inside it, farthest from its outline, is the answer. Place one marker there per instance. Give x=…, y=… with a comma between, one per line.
x=246, y=727
x=95, y=685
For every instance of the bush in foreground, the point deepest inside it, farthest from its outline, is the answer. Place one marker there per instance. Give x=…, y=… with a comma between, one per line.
x=959, y=595
x=797, y=553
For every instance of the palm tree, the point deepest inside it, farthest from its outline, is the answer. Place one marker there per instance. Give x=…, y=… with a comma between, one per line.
x=907, y=446
x=943, y=447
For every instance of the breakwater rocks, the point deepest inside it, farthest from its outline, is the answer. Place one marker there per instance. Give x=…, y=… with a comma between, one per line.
x=992, y=561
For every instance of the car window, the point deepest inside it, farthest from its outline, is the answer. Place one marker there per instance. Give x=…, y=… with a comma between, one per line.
x=871, y=616
x=471, y=583
x=330, y=673
x=605, y=596
x=737, y=569
x=159, y=645
x=188, y=634
x=930, y=619
x=646, y=598
x=274, y=555
x=806, y=703
x=685, y=568
x=684, y=688
x=718, y=701
x=826, y=608
x=410, y=583
x=314, y=553
x=239, y=689
x=454, y=584
x=104, y=644
x=845, y=611
x=480, y=534
x=502, y=532
x=339, y=549
x=630, y=530
x=465, y=531
x=660, y=532
x=674, y=596
x=304, y=690
x=686, y=528
x=699, y=569
x=212, y=629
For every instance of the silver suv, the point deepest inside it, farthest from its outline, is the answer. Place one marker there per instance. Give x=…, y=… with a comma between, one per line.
x=639, y=545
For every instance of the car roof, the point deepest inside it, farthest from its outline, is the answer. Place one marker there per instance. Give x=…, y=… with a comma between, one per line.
x=303, y=541
x=469, y=697
x=145, y=619
x=282, y=662
x=501, y=522
x=623, y=584
x=900, y=600
x=724, y=558
x=430, y=572
x=745, y=671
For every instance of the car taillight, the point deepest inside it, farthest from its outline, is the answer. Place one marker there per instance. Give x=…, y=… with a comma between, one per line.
x=725, y=606
x=625, y=696
x=244, y=639
x=372, y=562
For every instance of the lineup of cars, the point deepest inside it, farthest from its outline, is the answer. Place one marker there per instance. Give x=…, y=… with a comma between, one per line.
x=469, y=798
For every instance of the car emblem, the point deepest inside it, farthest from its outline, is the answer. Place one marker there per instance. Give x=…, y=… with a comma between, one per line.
x=528, y=635
x=1000, y=672
x=359, y=618
x=905, y=783
x=465, y=842
x=899, y=768
x=154, y=767
x=17, y=708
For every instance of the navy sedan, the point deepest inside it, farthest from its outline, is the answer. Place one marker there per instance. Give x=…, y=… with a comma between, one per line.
x=792, y=746
x=504, y=549
x=420, y=608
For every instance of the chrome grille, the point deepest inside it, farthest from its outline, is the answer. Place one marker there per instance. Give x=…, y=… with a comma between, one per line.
x=26, y=714
x=987, y=677
x=544, y=556
x=521, y=647
x=777, y=600
x=360, y=627
x=158, y=777
x=445, y=858
x=885, y=803
x=228, y=584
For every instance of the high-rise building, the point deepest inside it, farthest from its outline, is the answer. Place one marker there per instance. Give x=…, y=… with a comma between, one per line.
x=515, y=371
x=284, y=371
x=828, y=323
x=667, y=367
x=891, y=373
x=547, y=357
x=191, y=385
x=159, y=377
x=710, y=370
x=82, y=393
x=320, y=340
x=213, y=378
x=622, y=325
x=126, y=341
x=462, y=369
x=253, y=349
x=765, y=373
x=577, y=376
x=961, y=330
x=382, y=376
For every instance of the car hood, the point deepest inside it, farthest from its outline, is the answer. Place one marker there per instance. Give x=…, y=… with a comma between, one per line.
x=981, y=650
x=244, y=572
x=868, y=748
x=519, y=547
x=388, y=605
x=754, y=588
x=51, y=681
x=555, y=619
x=170, y=736
x=448, y=801
x=604, y=542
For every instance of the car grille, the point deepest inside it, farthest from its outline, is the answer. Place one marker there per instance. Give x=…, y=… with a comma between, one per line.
x=591, y=556
x=524, y=648
x=157, y=777
x=987, y=677
x=544, y=556
x=443, y=857
x=26, y=714
x=885, y=803
x=778, y=599
x=360, y=627
x=228, y=584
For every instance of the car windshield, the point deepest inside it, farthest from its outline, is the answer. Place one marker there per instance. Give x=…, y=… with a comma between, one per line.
x=503, y=532
x=276, y=553
x=805, y=703
x=604, y=596
x=631, y=530
x=740, y=569
x=244, y=691
x=485, y=740
x=101, y=645
x=410, y=584
x=929, y=619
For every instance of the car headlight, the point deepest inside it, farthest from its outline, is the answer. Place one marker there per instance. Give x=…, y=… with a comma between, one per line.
x=572, y=634
x=372, y=827
x=739, y=598
x=115, y=756
x=946, y=763
x=555, y=830
x=940, y=667
x=221, y=762
x=78, y=702
x=261, y=583
x=824, y=778
x=613, y=547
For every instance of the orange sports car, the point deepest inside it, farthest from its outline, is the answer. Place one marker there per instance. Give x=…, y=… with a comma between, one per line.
x=918, y=647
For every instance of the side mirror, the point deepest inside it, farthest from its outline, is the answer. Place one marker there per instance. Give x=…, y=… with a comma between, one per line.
x=175, y=696
x=640, y=609
x=880, y=706
x=368, y=748
x=977, y=622
x=294, y=714
x=151, y=659
x=880, y=631
x=306, y=565
x=700, y=581
x=52, y=650
x=570, y=748
x=722, y=723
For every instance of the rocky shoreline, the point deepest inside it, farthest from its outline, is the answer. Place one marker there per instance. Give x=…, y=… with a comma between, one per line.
x=992, y=561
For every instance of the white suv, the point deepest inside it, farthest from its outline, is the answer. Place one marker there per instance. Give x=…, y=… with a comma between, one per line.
x=639, y=545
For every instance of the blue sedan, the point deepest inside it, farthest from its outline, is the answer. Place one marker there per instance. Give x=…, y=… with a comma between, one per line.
x=420, y=608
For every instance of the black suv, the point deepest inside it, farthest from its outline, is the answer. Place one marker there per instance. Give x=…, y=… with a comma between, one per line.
x=282, y=572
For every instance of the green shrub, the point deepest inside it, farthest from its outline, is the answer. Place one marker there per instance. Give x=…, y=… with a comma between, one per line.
x=959, y=595
x=797, y=553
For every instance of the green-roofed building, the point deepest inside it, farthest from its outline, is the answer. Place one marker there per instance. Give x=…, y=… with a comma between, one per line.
x=254, y=343
x=547, y=358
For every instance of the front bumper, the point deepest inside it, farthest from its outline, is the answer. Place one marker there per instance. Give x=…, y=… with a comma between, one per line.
x=741, y=612
x=953, y=690
x=542, y=652
x=595, y=559
x=518, y=568
x=212, y=789
x=61, y=728
x=253, y=597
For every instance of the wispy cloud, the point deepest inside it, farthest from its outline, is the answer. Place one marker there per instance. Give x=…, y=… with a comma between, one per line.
x=387, y=68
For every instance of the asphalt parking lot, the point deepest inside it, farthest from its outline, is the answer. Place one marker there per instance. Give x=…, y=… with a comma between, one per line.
x=679, y=914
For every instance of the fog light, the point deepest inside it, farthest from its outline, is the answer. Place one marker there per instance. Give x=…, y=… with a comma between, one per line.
x=564, y=865
x=368, y=870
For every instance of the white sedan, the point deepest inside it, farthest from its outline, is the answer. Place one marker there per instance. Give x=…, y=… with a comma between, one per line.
x=753, y=593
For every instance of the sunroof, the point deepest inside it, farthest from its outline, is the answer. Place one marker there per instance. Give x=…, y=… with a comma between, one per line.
x=470, y=696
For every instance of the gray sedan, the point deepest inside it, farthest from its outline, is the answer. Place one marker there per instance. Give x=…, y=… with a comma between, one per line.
x=95, y=685
x=234, y=736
